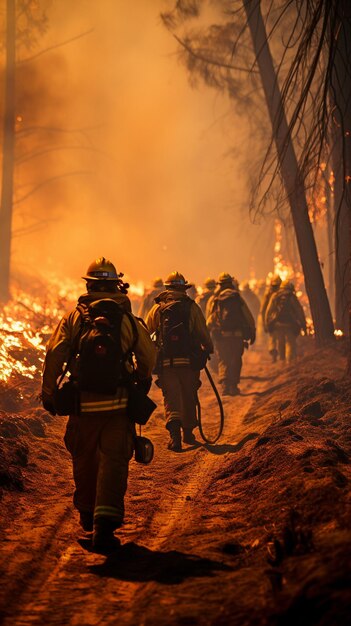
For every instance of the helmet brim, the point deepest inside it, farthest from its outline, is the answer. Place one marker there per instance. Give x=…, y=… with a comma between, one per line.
x=100, y=278
x=179, y=285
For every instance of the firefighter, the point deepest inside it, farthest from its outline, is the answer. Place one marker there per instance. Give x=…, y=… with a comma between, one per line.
x=99, y=436
x=207, y=291
x=273, y=339
x=149, y=297
x=285, y=319
x=251, y=299
x=259, y=289
x=231, y=324
x=183, y=346
x=192, y=291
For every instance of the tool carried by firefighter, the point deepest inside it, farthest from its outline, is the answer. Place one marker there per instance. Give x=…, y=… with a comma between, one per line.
x=207, y=439
x=143, y=449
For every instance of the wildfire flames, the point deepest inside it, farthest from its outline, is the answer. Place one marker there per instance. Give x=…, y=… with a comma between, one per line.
x=28, y=320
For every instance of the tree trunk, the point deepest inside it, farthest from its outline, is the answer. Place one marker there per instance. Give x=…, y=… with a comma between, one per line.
x=330, y=239
x=341, y=94
x=294, y=186
x=8, y=152
x=342, y=243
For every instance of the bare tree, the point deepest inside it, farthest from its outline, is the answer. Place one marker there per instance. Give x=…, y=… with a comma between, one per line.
x=8, y=150
x=340, y=99
x=291, y=175
x=299, y=91
x=23, y=21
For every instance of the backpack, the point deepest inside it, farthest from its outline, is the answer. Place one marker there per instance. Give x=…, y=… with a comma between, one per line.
x=228, y=314
x=174, y=334
x=280, y=311
x=101, y=361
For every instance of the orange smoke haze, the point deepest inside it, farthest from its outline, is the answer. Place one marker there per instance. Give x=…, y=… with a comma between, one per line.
x=144, y=178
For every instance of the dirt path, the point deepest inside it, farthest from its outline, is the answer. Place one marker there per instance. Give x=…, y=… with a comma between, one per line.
x=168, y=571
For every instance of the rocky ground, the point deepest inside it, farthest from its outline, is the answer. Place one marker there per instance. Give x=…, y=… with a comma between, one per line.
x=254, y=530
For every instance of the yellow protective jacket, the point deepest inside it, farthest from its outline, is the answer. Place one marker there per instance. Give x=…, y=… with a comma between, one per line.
x=284, y=308
x=148, y=301
x=270, y=291
x=197, y=323
x=65, y=339
x=203, y=299
x=248, y=322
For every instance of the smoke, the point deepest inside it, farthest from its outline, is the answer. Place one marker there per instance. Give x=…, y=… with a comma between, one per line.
x=125, y=159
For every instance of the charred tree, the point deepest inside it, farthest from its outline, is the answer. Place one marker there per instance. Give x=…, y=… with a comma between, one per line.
x=330, y=238
x=341, y=131
x=6, y=203
x=292, y=177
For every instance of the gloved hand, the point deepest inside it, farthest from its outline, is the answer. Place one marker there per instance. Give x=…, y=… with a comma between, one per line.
x=145, y=384
x=48, y=403
x=253, y=338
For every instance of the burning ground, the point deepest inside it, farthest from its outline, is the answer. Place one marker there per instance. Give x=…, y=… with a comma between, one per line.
x=253, y=530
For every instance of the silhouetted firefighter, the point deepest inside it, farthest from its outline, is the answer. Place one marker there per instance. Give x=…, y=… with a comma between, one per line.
x=184, y=344
x=208, y=290
x=231, y=324
x=270, y=291
x=285, y=319
x=106, y=348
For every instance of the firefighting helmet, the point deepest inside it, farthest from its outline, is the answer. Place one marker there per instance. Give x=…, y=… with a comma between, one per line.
x=224, y=277
x=210, y=283
x=101, y=269
x=276, y=281
x=287, y=284
x=157, y=282
x=176, y=280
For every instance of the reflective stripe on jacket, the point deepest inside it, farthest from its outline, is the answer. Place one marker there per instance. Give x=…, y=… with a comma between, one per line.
x=197, y=326
x=65, y=338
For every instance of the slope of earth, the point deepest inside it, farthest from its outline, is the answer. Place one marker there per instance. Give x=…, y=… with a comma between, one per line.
x=252, y=530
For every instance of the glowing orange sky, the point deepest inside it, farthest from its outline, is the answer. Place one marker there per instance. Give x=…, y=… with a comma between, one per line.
x=158, y=193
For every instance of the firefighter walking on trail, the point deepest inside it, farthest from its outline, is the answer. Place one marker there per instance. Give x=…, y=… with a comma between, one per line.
x=231, y=324
x=273, y=338
x=285, y=319
x=149, y=297
x=99, y=340
x=183, y=343
x=208, y=291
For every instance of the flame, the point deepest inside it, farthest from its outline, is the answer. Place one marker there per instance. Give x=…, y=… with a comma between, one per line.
x=29, y=319
x=317, y=200
x=285, y=270
x=281, y=268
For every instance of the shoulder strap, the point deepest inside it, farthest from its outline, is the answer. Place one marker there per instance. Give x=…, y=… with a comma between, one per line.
x=82, y=310
x=134, y=330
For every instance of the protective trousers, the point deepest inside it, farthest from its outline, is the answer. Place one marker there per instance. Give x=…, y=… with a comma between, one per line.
x=285, y=338
x=101, y=448
x=179, y=388
x=229, y=350
x=273, y=345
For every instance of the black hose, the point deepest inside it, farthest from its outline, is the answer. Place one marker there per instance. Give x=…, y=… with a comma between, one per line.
x=215, y=439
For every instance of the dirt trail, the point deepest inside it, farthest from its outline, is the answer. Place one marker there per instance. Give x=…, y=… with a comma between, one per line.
x=167, y=571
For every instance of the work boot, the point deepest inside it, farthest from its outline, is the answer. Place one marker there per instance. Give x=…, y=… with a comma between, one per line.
x=86, y=520
x=225, y=391
x=104, y=540
x=175, y=442
x=188, y=436
x=274, y=355
x=234, y=390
